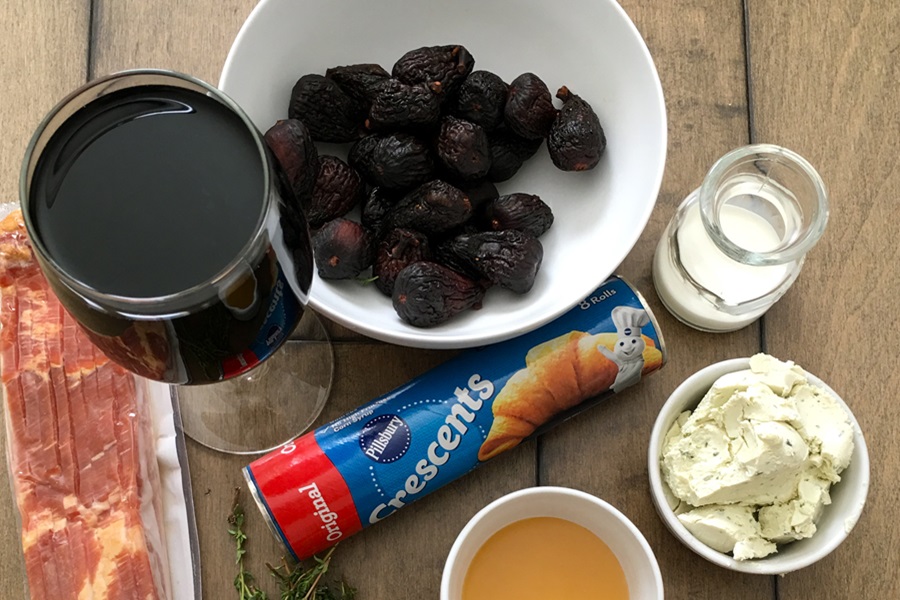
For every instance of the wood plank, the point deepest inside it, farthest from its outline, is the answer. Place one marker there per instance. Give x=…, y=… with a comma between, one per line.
x=402, y=557
x=190, y=37
x=697, y=47
x=43, y=56
x=825, y=85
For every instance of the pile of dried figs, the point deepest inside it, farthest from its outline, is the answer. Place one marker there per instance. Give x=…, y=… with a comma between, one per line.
x=430, y=140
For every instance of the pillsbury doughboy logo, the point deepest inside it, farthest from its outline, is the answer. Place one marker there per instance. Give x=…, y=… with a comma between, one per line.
x=385, y=438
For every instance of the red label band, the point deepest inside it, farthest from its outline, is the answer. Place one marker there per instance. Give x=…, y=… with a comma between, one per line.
x=239, y=364
x=306, y=496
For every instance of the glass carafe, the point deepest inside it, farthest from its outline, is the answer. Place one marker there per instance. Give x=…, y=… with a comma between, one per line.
x=738, y=242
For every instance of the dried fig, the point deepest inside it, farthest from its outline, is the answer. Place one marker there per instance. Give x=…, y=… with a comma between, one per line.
x=508, y=153
x=394, y=161
x=529, y=109
x=433, y=207
x=376, y=210
x=428, y=294
x=446, y=66
x=342, y=249
x=293, y=147
x=576, y=140
x=358, y=81
x=444, y=253
x=524, y=212
x=510, y=259
x=398, y=248
x=398, y=106
x=481, y=99
x=479, y=192
x=463, y=149
x=329, y=113
x=338, y=189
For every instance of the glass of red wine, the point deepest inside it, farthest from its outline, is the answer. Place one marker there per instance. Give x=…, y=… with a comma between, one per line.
x=168, y=230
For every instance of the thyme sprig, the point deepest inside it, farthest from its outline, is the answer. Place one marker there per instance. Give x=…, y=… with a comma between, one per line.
x=299, y=584
x=244, y=582
x=294, y=581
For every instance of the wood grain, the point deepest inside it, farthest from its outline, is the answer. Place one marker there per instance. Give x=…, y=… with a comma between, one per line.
x=43, y=56
x=701, y=64
x=823, y=82
x=190, y=37
x=825, y=85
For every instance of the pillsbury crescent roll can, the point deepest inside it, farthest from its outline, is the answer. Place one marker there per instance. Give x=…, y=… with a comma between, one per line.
x=332, y=482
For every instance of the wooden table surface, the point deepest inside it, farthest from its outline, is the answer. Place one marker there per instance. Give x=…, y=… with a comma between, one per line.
x=818, y=77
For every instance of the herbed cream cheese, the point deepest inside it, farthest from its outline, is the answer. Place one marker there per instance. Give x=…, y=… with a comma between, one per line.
x=752, y=465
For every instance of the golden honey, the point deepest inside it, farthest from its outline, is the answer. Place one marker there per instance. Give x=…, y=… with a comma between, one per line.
x=544, y=558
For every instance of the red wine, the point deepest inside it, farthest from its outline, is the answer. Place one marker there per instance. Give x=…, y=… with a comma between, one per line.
x=148, y=192
x=159, y=192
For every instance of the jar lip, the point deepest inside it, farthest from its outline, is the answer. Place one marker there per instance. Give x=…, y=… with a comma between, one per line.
x=141, y=307
x=796, y=249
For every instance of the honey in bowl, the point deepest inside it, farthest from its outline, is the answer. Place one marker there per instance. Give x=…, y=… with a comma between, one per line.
x=544, y=557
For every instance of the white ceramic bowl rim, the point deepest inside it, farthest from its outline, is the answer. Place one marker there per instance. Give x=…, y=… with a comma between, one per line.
x=549, y=492
x=774, y=564
x=631, y=172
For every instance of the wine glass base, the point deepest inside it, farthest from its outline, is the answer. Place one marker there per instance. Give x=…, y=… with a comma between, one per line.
x=269, y=406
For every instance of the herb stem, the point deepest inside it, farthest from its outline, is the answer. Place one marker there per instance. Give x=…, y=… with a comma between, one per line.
x=324, y=567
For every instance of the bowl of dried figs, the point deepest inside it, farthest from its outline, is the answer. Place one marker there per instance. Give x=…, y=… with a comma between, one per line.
x=469, y=171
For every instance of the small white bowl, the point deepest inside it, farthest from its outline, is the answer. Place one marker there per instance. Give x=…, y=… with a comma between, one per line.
x=610, y=525
x=837, y=520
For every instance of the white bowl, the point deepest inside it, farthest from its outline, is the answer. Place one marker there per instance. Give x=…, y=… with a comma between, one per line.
x=837, y=520
x=590, y=46
x=610, y=525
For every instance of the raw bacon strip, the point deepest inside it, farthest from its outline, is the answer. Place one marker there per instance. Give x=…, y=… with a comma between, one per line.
x=81, y=448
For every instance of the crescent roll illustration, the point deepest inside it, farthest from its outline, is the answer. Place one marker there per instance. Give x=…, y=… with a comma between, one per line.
x=558, y=375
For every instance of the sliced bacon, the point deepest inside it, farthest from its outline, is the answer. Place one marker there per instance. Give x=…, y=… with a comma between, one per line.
x=81, y=447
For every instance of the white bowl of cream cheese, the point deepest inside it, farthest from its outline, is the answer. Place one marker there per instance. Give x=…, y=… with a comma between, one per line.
x=758, y=466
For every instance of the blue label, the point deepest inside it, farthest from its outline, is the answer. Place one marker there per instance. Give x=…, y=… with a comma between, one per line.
x=432, y=430
x=281, y=317
x=282, y=314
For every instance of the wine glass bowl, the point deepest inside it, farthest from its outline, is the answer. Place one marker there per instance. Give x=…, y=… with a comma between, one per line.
x=157, y=214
